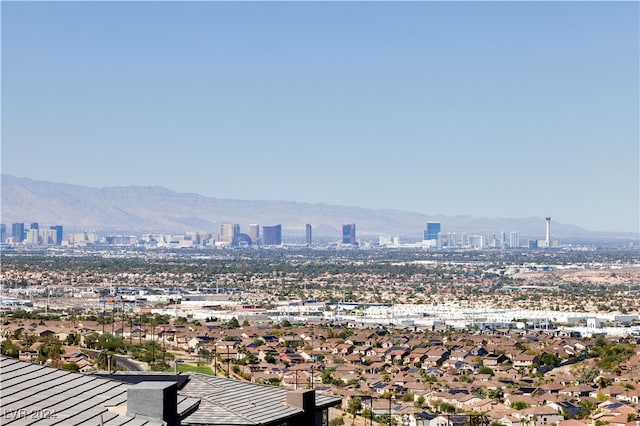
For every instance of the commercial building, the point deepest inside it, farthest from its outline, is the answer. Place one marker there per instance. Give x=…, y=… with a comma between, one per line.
x=33, y=237
x=17, y=232
x=272, y=235
x=58, y=236
x=309, y=236
x=225, y=234
x=254, y=233
x=349, y=234
x=514, y=239
x=432, y=231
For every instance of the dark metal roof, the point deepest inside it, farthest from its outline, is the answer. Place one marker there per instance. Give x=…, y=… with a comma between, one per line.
x=233, y=402
x=33, y=393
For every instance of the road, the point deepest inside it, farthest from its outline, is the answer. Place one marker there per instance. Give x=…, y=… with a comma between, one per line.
x=123, y=361
x=128, y=363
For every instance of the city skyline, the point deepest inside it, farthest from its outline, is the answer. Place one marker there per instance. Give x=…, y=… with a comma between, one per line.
x=230, y=235
x=483, y=109
x=155, y=209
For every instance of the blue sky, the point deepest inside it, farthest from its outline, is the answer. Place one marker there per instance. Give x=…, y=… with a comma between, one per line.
x=491, y=109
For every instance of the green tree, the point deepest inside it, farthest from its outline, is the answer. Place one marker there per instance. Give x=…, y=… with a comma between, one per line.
x=327, y=377
x=588, y=407
x=107, y=360
x=408, y=397
x=10, y=349
x=110, y=342
x=551, y=360
x=232, y=323
x=496, y=394
x=485, y=370
x=51, y=349
x=70, y=366
x=445, y=407
x=354, y=405
x=520, y=405
x=73, y=339
x=603, y=382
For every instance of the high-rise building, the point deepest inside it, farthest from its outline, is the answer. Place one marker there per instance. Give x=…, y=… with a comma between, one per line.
x=17, y=232
x=33, y=237
x=226, y=232
x=385, y=240
x=3, y=233
x=349, y=234
x=514, y=239
x=477, y=241
x=272, y=235
x=58, y=229
x=254, y=233
x=309, y=236
x=432, y=231
x=34, y=225
x=548, y=233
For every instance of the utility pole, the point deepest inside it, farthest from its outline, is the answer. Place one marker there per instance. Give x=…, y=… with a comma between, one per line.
x=311, y=376
x=123, y=318
x=153, y=341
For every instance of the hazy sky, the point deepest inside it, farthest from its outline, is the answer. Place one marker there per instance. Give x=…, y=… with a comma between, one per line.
x=493, y=109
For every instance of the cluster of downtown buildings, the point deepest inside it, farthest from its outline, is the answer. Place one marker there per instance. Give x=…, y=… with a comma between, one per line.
x=230, y=235
x=33, y=236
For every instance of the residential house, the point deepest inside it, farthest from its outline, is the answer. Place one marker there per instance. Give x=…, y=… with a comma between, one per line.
x=539, y=416
x=577, y=391
x=524, y=360
x=494, y=359
x=453, y=420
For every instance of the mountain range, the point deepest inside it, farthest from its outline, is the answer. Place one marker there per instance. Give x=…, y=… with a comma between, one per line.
x=136, y=209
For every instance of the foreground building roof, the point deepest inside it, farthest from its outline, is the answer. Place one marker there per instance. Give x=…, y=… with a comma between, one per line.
x=32, y=393
x=233, y=402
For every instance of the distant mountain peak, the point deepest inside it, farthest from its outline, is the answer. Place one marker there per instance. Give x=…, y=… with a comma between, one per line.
x=139, y=209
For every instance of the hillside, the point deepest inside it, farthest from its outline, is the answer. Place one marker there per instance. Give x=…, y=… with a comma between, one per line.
x=155, y=209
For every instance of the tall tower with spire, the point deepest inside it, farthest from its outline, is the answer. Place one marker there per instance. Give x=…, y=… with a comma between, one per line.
x=548, y=236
